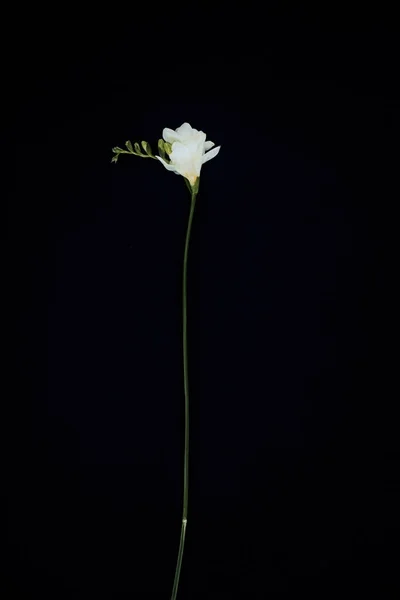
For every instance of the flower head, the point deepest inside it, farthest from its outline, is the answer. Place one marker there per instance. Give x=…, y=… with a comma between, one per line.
x=188, y=151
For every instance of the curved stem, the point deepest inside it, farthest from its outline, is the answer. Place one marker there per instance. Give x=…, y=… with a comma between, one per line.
x=186, y=389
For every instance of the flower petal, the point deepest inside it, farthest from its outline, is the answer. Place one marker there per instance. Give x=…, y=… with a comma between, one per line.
x=185, y=131
x=170, y=135
x=166, y=165
x=180, y=153
x=208, y=145
x=210, y=155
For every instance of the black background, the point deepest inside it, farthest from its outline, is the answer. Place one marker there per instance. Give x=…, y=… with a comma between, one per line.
x=293, y=441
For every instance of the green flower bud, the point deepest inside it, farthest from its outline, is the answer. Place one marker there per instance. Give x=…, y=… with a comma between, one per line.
x=147, y=148
x=161, y=148
x=167, y=147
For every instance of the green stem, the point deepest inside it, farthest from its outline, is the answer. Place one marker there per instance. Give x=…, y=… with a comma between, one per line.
x=186, y=388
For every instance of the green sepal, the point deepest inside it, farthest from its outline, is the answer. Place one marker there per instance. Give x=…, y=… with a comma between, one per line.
x=195, y=187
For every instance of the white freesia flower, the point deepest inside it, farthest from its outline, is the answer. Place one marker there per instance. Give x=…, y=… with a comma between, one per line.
x=189, y=148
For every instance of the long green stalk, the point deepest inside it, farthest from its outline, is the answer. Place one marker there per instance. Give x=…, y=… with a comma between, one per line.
x=186, y=388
